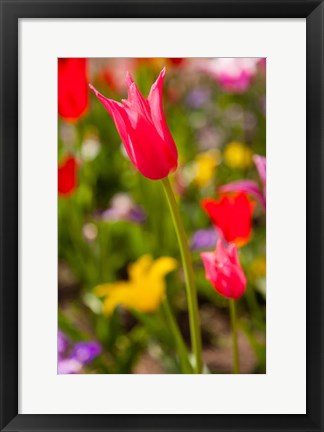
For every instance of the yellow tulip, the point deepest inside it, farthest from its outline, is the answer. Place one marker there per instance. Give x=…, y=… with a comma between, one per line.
x=237, y=155
x=205, y=166
x=145, y=289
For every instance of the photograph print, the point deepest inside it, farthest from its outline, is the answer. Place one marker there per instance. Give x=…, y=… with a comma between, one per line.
x=161, y=216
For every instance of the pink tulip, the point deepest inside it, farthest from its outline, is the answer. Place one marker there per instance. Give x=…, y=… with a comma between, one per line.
x=261, y=166
x=143, y=129
x=234, y=75
x=224, y=271
x=249, y=186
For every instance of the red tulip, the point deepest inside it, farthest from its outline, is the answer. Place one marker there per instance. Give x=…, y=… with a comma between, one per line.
x=67, y=176
x=143, y=129
x=232, y=214
x=250, y=186
x=176, y=61
x=73, y=97
x=224, y=271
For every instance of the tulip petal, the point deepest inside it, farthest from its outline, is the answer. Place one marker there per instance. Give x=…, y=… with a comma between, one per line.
x=162, y=266
x=124, y=296
x=233, y=254
x=136, y=101
x=105, y=289
x=231, y=282
x=156, y=107
x=67, y=176
x=140, y=268
x=247, y=186
x=261, y=166
x=208, y=259
x=232, y=215
x=220, y=251
x=117, y=112
x=73, y=95
x=223, y=270
x=152, y=158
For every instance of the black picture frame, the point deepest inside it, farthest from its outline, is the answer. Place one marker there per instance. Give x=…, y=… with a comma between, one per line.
x=11, y=12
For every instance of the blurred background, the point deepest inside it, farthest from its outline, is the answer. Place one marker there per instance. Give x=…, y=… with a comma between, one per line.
x=109, y=215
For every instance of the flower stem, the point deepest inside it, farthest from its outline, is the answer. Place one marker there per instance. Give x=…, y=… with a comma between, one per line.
x=189, y=276
x=179, y=342
x=236, y=361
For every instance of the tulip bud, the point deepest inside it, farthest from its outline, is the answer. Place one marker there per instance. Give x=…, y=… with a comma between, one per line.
x=224, y=271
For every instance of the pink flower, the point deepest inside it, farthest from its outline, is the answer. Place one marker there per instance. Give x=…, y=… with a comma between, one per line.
x=249, y=186
x=143, y=129
x=261, y=166
x=224, y=271
x=235, y=75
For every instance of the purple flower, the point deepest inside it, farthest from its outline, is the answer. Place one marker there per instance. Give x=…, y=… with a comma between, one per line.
x=250, y=186
x=137, y=214
x=62, y=342
x=71, y=359
x=68, y=366
x=85, y=352
x=124, y=209
x=204, y=239
x=198, y=97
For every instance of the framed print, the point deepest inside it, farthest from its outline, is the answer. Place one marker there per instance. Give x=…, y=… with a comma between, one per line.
x=161, y=223
x=124, y=229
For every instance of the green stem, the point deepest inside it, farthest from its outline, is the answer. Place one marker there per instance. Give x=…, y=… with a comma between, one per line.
x=189, y=276
x=179, y=342
x=236, y=361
